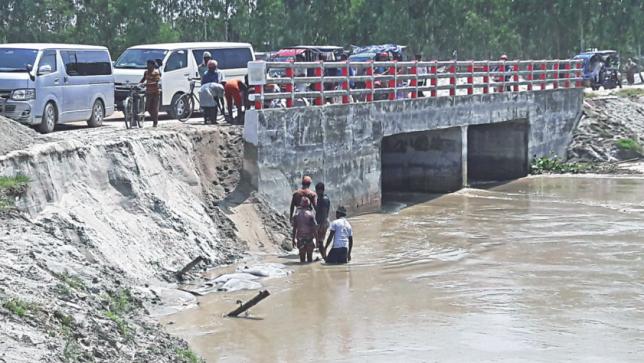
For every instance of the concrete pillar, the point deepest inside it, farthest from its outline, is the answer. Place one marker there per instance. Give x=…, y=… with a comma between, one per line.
x=464, y=156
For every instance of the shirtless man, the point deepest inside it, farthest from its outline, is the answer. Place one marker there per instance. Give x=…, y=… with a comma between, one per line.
x=321, y=217
x=304, y=228
x=304, y=191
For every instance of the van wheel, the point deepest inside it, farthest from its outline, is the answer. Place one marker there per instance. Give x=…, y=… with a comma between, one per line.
x=98, y=114
x=177, y=111
x=49, y=118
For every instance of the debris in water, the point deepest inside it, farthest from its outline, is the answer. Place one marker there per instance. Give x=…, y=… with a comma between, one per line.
x=252, y=302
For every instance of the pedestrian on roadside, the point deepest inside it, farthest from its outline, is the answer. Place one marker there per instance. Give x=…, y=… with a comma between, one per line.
x=203, y=67
x=301, y=193
x=342, y=237
x=211, y=91
x=151, y=79
x=321, y=217
x=304, y=229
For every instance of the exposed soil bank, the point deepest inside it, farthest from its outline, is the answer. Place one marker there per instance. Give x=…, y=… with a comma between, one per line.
x=106, y=220
x=606, y=121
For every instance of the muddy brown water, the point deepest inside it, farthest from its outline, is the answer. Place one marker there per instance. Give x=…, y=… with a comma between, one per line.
x=543, y=269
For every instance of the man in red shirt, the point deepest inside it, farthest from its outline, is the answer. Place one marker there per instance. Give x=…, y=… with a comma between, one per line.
x=304, y=192
x=233, y=92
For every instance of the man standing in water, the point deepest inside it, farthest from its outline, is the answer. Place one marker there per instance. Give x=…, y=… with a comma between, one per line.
x=321, y=217
x=304, y=228
x=342, y=237
x=301, y=193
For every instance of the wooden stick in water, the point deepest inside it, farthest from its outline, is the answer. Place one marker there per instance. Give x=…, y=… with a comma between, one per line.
x=249, y=304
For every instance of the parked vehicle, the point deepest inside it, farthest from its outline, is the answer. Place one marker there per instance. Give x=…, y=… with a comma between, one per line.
x=601, y=69
x=178, y=62
x=49, y=84
x=308, y=53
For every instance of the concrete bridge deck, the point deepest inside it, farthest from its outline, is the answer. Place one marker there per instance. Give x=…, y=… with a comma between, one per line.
x=436, y=144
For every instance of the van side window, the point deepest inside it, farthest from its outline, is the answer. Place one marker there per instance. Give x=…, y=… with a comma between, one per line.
x=69, y=58
x=93, y=63
x=232, y=58
x=87, y=62
x=177, y=60
x=48, y=59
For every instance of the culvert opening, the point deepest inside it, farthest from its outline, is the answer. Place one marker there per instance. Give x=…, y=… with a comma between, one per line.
x=422, y=162
x=497, y=152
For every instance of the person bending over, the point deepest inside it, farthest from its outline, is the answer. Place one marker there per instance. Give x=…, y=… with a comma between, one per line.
x=342, y=237
x=304, y=228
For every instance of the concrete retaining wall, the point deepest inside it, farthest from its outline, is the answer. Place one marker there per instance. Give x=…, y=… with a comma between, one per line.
x=341, y=144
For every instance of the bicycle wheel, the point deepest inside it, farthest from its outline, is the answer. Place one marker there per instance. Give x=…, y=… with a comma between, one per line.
x=128, y=111
x=184, y=107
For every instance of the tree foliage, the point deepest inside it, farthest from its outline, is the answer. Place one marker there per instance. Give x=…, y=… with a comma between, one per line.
x=473, y=28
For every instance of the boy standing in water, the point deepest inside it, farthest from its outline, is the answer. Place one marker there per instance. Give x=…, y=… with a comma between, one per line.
x=342, y=237
x=304, y=229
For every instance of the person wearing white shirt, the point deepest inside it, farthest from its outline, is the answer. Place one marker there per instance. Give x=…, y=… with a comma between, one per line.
x=342, y=237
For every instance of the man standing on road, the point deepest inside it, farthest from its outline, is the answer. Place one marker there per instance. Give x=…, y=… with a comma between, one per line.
x=342, y=237
x=301, y=193
x=151, y=79
x=203, y=67
x=321, y=217
x=421, y=71
x=304, y=228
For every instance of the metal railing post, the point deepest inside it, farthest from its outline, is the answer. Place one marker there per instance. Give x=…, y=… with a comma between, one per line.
x=345, y=84
x=502, y=71
x=393, y=70
x=319, y=101
x=530, y=75
x=486, y=78
x=289, y=86
x=543, y=76
x=555, y=75
x=567, y=67
x=515, y=77
x=434, y=80
x=369, y=84
x=578, y=75
x=259, y=91
x=414, y=82
x=470, y=78
x=452, y=79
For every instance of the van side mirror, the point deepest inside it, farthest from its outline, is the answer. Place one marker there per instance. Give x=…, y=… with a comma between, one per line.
x=44, y=69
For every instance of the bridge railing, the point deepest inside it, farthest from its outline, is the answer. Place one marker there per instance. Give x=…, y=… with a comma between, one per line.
x=292, y=84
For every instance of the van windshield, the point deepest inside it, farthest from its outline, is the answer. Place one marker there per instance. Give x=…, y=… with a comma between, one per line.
x=17, y=59
x=138, y=58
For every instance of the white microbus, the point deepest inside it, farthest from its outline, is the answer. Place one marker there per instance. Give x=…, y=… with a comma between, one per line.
x=48, y=84
x=179, y=62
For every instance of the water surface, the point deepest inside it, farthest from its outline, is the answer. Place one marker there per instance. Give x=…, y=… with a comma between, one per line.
x=543, y=269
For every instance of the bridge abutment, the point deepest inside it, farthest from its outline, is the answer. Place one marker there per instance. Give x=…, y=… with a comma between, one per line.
x=435, y=144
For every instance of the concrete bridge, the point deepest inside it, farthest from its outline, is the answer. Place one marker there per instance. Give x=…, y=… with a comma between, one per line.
x=433, y=144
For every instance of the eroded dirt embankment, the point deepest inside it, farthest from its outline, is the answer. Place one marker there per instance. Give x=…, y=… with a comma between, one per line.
x=107, y=218
x=610, y=130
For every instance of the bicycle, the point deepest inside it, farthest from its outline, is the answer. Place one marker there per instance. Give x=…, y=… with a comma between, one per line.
x=134, y=106
x=184, y=106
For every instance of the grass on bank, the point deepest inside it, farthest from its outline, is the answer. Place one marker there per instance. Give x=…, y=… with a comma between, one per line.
x=186, y=355
x=629, y=145
x=10, y=186
x=630, y=92
x=553, y=165
x=18, y=307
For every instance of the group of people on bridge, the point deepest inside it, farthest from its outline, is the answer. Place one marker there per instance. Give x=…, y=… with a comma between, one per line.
x=309, y=214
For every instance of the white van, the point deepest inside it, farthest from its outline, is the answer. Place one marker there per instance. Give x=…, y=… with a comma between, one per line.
x=179, y=62
x=49, y=84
